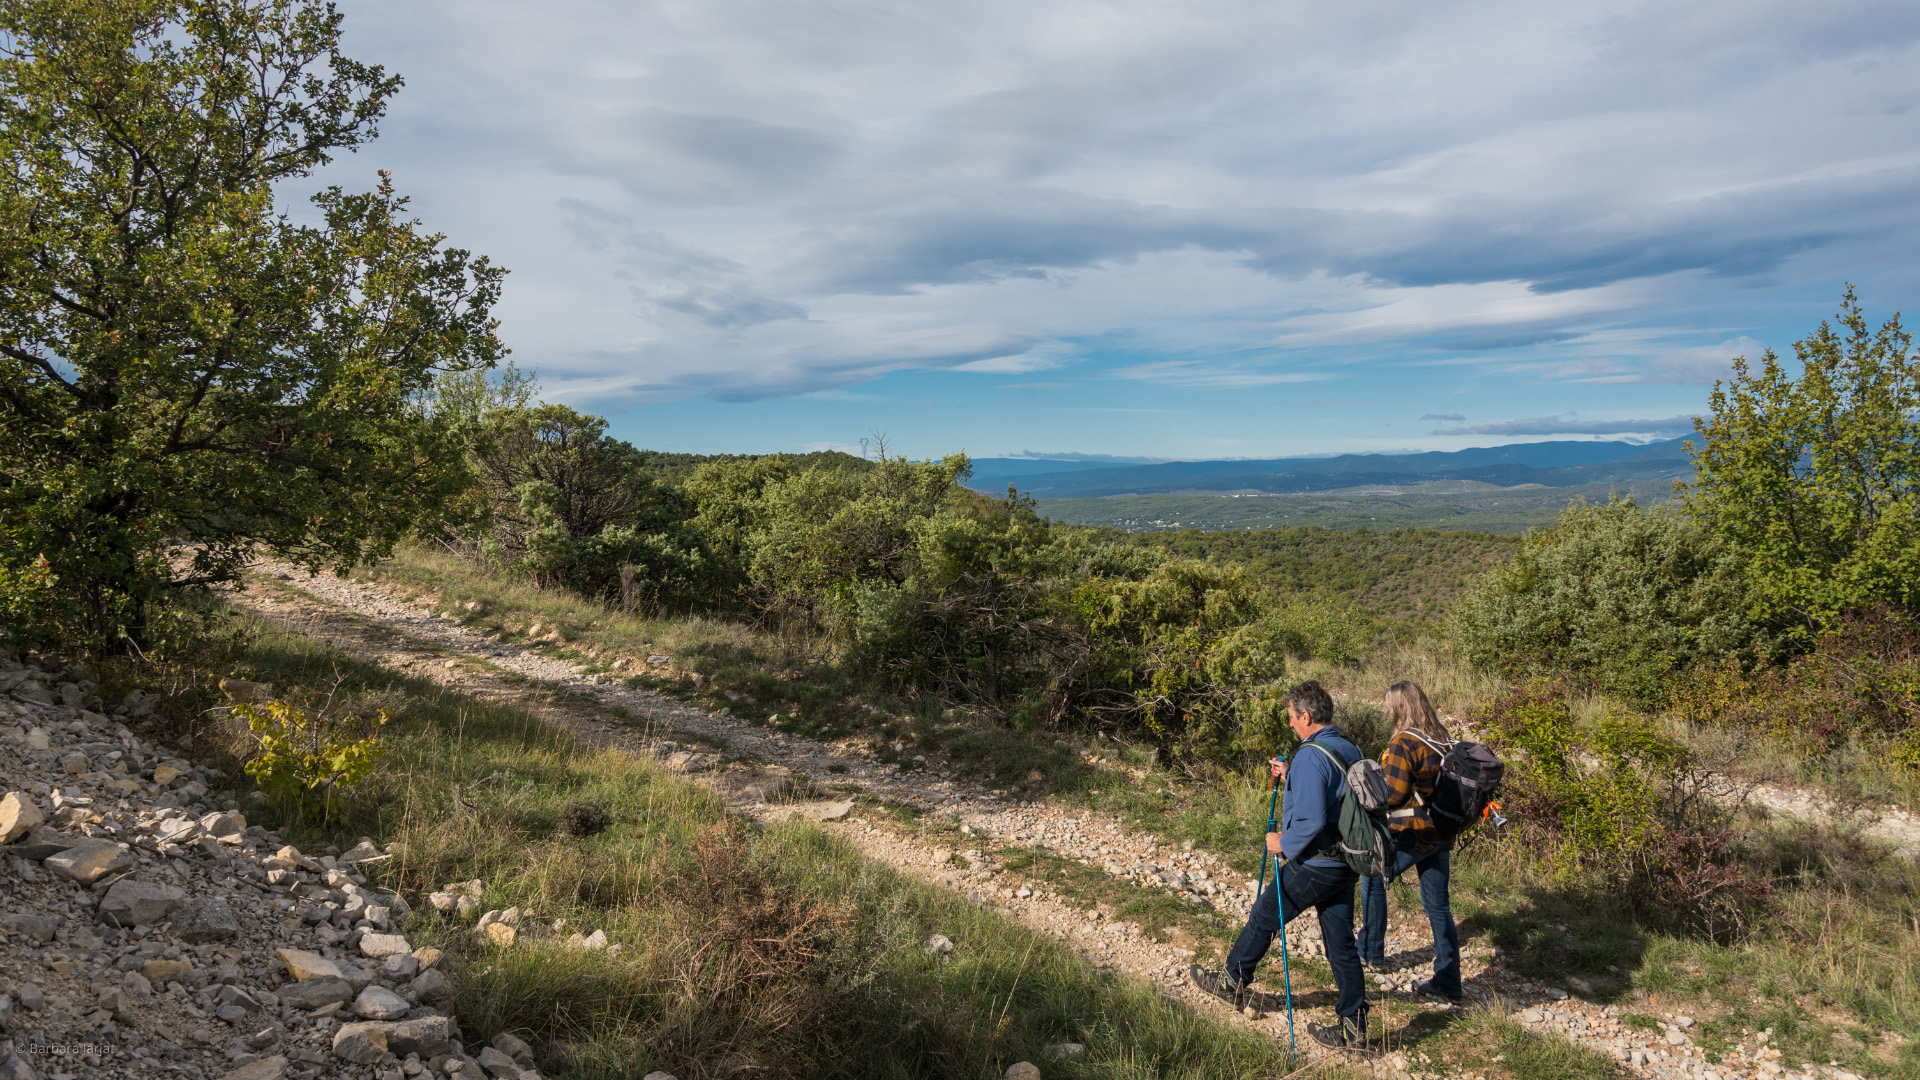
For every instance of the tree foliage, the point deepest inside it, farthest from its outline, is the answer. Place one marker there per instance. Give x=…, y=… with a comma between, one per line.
x=186, y=374
x=1815, y=480
x=1624, y=596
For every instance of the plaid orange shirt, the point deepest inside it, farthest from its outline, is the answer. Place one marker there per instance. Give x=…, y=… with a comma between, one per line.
x=1411, y=766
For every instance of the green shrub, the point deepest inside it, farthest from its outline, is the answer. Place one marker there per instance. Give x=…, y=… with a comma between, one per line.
x=1617, y=595
x=1624, y=806
x=1860, y=680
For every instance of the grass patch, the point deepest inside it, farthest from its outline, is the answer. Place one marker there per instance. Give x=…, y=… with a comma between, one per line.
x=750, y=951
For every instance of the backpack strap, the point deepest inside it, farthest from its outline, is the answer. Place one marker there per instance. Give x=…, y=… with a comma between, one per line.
x=1329, y=834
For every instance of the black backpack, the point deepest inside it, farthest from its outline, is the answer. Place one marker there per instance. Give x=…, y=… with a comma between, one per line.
x=1470, y=775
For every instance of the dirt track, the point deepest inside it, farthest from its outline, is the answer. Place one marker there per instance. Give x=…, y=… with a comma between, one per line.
x=766, y=774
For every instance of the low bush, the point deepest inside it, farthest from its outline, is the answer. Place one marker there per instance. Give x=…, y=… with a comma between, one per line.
x=1860, y=681
x=1627, y=806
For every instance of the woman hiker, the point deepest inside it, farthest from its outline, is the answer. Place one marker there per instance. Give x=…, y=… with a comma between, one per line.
x=1412, y=761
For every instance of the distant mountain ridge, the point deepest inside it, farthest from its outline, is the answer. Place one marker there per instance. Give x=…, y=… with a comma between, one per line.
x=1548, y=464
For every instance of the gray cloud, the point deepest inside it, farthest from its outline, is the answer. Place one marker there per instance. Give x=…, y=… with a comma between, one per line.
x=1452, y=417
x=743, y=199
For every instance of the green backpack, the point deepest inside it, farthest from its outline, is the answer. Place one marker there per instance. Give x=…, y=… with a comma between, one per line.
x=1365, y=843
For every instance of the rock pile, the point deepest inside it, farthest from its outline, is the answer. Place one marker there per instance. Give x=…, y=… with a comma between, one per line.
x=147, y=932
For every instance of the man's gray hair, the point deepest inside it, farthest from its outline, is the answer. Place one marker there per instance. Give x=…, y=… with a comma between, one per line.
x=1312, y=698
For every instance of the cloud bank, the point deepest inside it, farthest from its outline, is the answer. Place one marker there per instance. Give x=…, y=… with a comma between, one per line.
x=743, y=200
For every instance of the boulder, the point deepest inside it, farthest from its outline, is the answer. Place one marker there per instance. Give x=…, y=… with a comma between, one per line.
x=380, y=1003
x=362, y=1044
x=430, y=985
x=514, y=1047
x=201, y=921
x=18, y=814
x=224, y=823
x=166, y=971
x=305, y=965
x=316, y=993
x=90, y=860
x=426, y=1036
x=38, y=927
x=499, y=1064
x=380, y=946
x=1022, y=1070
x=42, y=841
x=138, y=903
x=500, y=933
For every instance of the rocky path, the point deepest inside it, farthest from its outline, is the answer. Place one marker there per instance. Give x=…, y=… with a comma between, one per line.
x=145, y=933
x=765, y=773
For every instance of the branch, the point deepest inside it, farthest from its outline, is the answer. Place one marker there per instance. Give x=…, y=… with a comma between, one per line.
x=40, y=362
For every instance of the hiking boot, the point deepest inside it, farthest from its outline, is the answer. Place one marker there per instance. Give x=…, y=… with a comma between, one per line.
x=1345, y=1033
x=1220, y=985
x=1427, y=988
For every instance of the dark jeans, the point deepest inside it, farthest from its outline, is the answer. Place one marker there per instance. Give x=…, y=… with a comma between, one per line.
x=1327, y=888
x=1435, y=865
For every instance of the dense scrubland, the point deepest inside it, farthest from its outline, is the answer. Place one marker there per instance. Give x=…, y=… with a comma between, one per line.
x=190, y=379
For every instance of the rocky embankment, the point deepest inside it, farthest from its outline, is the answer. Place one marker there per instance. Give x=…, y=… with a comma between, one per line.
x=147, y=932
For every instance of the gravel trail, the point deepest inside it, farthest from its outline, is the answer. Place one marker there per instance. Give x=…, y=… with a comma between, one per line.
x=765, y=774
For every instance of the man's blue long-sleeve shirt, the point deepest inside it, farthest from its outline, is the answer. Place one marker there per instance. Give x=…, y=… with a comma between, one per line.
x=1314, y=790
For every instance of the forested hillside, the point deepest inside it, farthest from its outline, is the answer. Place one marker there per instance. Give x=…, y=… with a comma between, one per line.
x=1413, y=574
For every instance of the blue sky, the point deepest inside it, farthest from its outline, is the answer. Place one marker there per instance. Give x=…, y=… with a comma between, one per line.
x=1189, y=229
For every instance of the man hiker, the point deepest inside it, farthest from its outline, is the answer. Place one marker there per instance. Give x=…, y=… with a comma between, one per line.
x=1309, y=878
x=1412, y=761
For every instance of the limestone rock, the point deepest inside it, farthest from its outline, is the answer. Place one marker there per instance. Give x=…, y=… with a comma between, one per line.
x=166, y=971
x=166, y=774
x=500, y=934
x=430, y=985
x=1022, y=1070
x=499, y=1064
x=514, y=1047
x=38, y=927
x=305, y=965
x=362, y=1044
x=42, y=841
x=359, y=853
x=224, y=823
x=380, y=1003
x=201, y=921
x=380, y=946
x=18, y=814
x=267, y=1068
x=90, y=860
x=138, y=903
x=426, y=1036
x=659, y=1076
x=14, y=1067
x=316, y=993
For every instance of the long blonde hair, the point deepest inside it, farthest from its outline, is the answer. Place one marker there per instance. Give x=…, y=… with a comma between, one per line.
x=1409, y=709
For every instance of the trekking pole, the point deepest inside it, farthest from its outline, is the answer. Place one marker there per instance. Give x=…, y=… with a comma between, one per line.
x=1280, y=903
x=1286, y=972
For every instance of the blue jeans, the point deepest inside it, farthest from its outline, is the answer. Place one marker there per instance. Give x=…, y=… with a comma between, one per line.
x=1330, y=890
x=1435, y=865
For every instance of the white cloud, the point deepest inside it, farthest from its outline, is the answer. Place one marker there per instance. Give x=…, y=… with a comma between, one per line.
x=743, y=199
